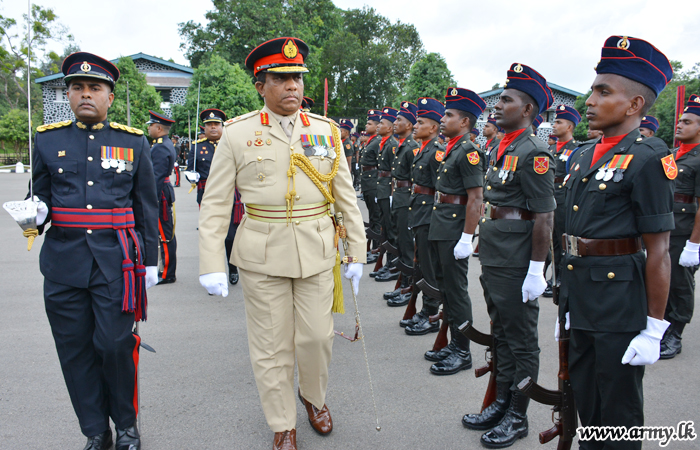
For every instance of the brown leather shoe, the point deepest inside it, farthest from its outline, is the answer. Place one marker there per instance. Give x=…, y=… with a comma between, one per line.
x=285, y=440
x=320, y=419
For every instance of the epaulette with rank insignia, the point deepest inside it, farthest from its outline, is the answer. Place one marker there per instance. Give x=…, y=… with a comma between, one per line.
x=239, y=118
x=201, y=140
x=128, y=129
x=53, y=126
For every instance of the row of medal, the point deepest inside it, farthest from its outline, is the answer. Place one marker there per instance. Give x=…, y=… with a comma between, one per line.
x=118, y=164
x=606, y=174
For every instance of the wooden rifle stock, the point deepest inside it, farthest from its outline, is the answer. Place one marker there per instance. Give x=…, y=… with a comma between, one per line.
x=489, y=342
x=441, y=338
x=415, y=290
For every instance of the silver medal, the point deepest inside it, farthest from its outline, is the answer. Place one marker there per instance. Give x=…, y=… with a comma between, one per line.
x=105, y=164
x=601, y=173
x=121, y=165
x=129, y=166
x=618, y=175
x=113, y=163
x=609, y=174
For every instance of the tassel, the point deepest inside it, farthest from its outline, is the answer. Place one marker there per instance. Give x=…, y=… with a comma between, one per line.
x=338, y=306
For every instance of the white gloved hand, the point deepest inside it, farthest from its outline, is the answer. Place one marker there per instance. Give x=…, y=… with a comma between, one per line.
x=215, y=283
x=151, y=276
x=192, y=177
x=534, y=284
x=357, y=167
x=567, y=327
x=690, y=256
x=464, y=246
x=42, y=211
x=645, y=347
x=353, y=272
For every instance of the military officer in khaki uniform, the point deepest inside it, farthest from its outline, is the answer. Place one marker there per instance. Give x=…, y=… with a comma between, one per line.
x=290, y=171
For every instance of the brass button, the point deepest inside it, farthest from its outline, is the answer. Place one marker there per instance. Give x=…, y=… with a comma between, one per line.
x=420, y=167
x=92, y=137
x=89, y=158
x=424, y=202
x=434, y=207
x=683, y=210
x=409, y=208
x=291, y=148
x=602, y=186
x=297, y=222
x=483, y=220
x=560, y=186
x=494, y=169
x=90, y=183
x=297, y=197
x=585, y=180
x=60, y=170
x=443, y=162
x=611, y=275
x=322, y=158
x=575, y=207
x=503, y=182
x=445, y=170
x=89, y=231
x=680, y=170
x=486, y=177
x=89, y=206
x=454, y=215
x=488, y=188
x=414, y=165
x=488, y=203
x=570, y=267
x=259, y=158
x=118, y=170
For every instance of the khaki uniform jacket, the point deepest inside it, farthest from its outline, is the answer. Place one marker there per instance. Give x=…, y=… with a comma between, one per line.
x=255, y=159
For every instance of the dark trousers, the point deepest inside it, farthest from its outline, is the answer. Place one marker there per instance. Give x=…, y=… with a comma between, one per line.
x=420, y=234
x=200, y=194
x=373, y=210
x=388, y=227
x=557, y=233
x=404, y=239
x=98, y=351
x=681, y=297
x=514, y=324
x=228, y=242
x=451, y=277
x=607, y=392
x=168, y=243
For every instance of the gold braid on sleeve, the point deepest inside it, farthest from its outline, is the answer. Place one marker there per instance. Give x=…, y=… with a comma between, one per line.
x=300, y=160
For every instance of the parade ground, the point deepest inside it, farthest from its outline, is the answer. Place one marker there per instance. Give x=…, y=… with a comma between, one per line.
x=198, y=390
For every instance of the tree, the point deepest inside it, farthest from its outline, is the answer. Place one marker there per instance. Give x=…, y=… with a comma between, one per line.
x=665, y=107
x=14, y=131
x=429, y=77
x=581, y=130
x=224, y=86
x=142, y=96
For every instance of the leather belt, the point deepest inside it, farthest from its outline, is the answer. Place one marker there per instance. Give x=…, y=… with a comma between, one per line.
x=558, y=179
x=384, y=174
x=278, y=214
x=366, y=168
x=682, y=198
x=451, y=198
x=577, y=246
x=402, y=183
x=423, y=190
x=510, y=213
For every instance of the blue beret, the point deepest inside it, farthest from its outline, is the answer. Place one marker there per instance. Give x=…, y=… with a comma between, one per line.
x=568, y=113
x=637, y=60
x=212, y=115
x=389, y=114
x=87, y=65
x=652, y=123
x=408, y=110
x=538, y=121
x=346, y=124
x=526, y=79
x=693, y=105
x=159, y=118
x=374, y=114
x=430, y=109
x=464, y=100
x=475, y=132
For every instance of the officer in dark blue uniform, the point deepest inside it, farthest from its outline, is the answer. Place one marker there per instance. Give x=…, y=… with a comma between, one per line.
x=95, y=178
x=163, y=156
x=649, y=126
x=213, y=120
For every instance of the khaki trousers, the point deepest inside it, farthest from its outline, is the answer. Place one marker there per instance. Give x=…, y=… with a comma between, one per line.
x=288, y=317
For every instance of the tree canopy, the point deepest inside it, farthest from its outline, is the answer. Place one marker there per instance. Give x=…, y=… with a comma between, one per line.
x=142, y=96
x=429, y=77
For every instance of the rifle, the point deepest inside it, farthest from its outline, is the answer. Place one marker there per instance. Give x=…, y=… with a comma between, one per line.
x=415, y=290
x=490, y=342
x=434, y=293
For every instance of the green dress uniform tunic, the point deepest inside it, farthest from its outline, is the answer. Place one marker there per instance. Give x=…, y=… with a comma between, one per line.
x=505, y=247
x=560, y=159
x=401, y=174
x=606, y=295
x=368, y=183
x=386, y=158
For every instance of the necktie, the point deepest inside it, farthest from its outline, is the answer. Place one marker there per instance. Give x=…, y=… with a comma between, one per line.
x=286, y=126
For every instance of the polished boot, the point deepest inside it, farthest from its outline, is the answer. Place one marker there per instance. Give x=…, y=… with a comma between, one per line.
x=232, y=274
x=392, y=294
x=512, y=427
x=384, y=269
x=401, y=300
x=671, y=343
x=285, y=440
x=413, y=320
x=102, y=441
x=128, y=439
x=432, y=355
x=492, y=415
x=320, y=419
x=423, y=326
x=388, y=275
x=460, y=359
x=372, y=258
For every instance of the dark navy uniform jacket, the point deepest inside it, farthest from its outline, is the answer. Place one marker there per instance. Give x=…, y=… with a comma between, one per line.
x=687, y=183
x=67, y=173
x=386, y=159
x=401, y=170
x=370, y=157
x=205, y=152
x=424, y=173
x=163, y=156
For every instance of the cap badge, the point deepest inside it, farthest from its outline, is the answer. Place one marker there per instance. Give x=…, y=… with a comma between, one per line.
x=562, y=108
x=696, y=99
x=623, y=43
x=85, y=67
x=424, y=101
x=211, y=114
x=290, y=50
x=518, y=68
x=386, y=110
x=453, y=91
x=405, y=104
x=371, y=111
x=644, y=118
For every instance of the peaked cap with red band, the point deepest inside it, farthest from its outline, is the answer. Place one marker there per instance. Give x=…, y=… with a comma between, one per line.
x=212, y=115
x=159, y=118
x=88, y=65
x=464, y=100
x=280, y=55
x=526, y=79
x=637, y=60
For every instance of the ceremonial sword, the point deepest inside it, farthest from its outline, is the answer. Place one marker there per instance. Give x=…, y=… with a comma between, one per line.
x=196, y=127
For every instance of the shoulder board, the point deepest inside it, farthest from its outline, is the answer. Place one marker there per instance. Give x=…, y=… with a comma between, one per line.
x=201, y=140
x=118, y=126
x=239, y=118
x=53, y=126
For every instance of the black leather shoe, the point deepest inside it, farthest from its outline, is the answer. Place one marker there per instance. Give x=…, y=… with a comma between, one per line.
x=401, y=300
x=128, y=439
x=460, y=359
x=492, y=415
x=387, y=276
x=392, y=294
x=441, y=354
x=100, y=442
x=167, y=280
x=671, y=344
x=512, y=427
x=379, y=272
x=371, y=258
x=548, y=290
x=422, y=327
x=233, y=277
x=412, y=321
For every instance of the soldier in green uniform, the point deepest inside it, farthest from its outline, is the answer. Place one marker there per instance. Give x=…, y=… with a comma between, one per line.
x=368, y=161
x=423, y=175
x=649, y=126
x=401, y=180
x=685, y=238
x=348, y=146
x=490, y=133
x=514, y=241
x=456, y=213
x=619, y=193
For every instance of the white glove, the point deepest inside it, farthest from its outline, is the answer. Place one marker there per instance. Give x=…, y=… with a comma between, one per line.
x=690, y=256
x=353, y=272
x=151, y=276
x=645, y=347
x=357, y=167
x=567, y=327
x=464, y=247
x=215, y=283
x=534, y=284
x=42, y=211
x=192, y=177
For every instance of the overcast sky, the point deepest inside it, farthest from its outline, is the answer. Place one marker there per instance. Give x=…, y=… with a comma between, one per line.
x=479, y=39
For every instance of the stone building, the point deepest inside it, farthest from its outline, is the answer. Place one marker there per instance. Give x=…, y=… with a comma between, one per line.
x=170, y=80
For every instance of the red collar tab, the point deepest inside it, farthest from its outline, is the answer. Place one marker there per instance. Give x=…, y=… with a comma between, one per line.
x=265, y=119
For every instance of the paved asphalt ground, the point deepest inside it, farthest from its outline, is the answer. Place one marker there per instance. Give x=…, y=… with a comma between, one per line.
x=198, y=391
